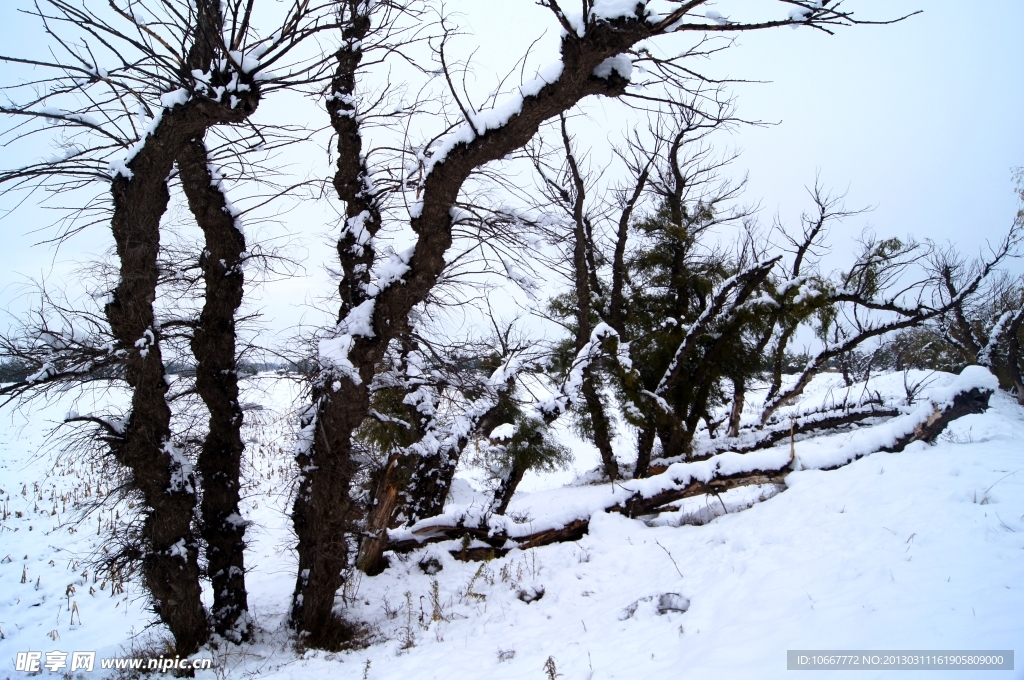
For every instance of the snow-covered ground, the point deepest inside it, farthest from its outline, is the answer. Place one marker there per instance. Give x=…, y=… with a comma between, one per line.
x=916, y=550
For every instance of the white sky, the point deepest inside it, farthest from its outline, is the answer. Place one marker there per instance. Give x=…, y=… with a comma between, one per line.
x=922, y=120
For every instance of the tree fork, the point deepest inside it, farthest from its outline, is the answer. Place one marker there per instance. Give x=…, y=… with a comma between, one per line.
x=160, y=473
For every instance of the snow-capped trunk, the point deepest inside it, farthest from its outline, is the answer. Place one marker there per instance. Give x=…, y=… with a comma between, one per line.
x=341, y=400
x=169, y=564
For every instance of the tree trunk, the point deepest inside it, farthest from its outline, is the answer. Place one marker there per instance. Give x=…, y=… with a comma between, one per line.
x=739, y=393
x=159, y=471
x=972, y=401
x=507, y=488
x=640, y=504
x=585, y=280
x=381, y=517
x=779, y=360
x=418, y=485
x=602, y=430
x=431, y=482
x=674, y=438
x=321, y=513
x=323, y=505
x=213, y=344
x=644, y=445
x=1013, y=354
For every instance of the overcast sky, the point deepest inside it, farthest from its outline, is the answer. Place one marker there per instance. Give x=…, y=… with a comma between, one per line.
x=923, y=120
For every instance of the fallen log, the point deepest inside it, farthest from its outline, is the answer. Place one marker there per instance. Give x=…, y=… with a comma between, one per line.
x=974, y=400
x=482, y=536
x=637, y=506
x=827, y=420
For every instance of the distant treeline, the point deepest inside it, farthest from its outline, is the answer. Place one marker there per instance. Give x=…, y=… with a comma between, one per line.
x=15, y=370
x=246, y=367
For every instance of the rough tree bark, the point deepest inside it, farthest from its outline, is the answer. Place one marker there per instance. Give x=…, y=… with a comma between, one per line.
x=974, y=400
x=322, y=502
x=160, y=473
x=213, y=344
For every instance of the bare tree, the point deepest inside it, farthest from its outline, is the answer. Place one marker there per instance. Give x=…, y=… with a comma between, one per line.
x=878, y=295
x=566, y=188
x=196, y=66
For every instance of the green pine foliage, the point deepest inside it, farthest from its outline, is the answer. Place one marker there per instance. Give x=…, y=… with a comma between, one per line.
x=531, y=447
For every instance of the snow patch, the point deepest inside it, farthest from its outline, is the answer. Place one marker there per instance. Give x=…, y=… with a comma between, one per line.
x=620, y=64
x=502, y=432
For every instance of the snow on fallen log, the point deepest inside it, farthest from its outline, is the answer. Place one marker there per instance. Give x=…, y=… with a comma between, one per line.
x=967, y=393
x=754, y=440
x=472, y=533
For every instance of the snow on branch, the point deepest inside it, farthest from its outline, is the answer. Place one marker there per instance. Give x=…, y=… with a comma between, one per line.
x=568, y=392
x=724, y=305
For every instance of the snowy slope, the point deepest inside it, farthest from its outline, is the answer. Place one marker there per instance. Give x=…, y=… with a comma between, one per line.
x=916, y=550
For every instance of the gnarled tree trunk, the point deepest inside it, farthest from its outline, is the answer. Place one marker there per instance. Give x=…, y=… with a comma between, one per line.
x=213, y=344
x=158, y=470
